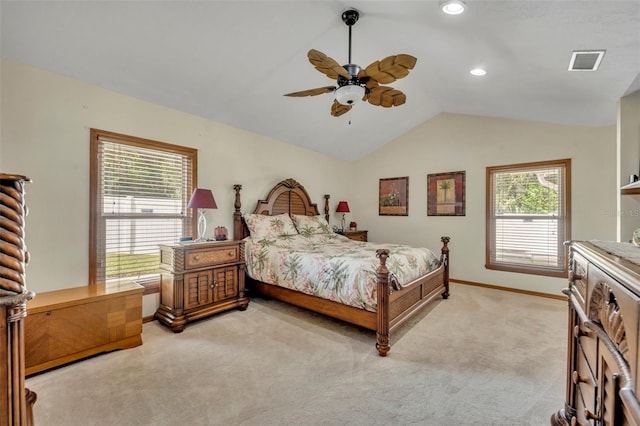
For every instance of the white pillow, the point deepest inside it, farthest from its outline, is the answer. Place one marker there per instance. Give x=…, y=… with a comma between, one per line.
x=262, y=226
x=310, y=225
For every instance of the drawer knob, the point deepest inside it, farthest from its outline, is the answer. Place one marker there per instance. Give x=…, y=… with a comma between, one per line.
x=578, y=332
x=577, y=379
x=196, y=257
x=230, y=253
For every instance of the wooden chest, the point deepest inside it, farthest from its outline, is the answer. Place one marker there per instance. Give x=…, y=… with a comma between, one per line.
x=67, y=325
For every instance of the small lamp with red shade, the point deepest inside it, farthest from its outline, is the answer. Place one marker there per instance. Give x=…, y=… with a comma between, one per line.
x=202, y=199
x=343, y=207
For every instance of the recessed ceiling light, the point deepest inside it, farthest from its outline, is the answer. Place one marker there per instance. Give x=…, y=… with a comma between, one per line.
x=453, y=7
x=478, y=71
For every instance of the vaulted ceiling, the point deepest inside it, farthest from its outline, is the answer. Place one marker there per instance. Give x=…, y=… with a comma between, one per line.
x=232, y=61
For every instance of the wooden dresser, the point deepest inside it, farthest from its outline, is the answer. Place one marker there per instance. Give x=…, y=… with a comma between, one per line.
x=603, y=344
x=360, y=235
x=200, y=279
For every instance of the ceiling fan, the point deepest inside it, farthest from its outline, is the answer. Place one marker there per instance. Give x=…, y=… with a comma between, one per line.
x=354, y=83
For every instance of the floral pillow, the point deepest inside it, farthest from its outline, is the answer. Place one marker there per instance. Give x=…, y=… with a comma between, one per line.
x=263, y=226
x=310, y=225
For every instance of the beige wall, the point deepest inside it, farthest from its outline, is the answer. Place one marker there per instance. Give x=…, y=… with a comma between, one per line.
x=629, y=156
x=45, y=135
x=452, y=142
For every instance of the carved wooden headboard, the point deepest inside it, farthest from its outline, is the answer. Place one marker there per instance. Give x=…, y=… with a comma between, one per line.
x=288, y=196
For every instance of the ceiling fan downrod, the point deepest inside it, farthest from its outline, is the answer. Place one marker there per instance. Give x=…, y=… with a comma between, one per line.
x=350, y=17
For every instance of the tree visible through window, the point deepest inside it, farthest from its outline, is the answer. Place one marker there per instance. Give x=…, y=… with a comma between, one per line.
x=139, y=192
x=528, y=217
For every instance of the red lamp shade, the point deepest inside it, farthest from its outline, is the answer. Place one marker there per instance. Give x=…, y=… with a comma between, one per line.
x=343, y=207
x=202, y=199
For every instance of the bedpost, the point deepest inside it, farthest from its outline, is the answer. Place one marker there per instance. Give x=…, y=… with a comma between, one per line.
x=444, y=259
x=237, y=215
x=382, y=328
x=326, y=207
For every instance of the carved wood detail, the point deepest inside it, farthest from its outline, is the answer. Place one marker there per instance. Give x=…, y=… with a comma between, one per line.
x=604, y=309
x=12, y=246
x=578, y=273
x=17, y=401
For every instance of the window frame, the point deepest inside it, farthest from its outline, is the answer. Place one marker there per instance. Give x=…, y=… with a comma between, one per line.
x=96, y=136
x=490, y=230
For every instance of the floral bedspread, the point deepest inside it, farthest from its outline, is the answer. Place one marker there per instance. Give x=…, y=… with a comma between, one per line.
x=332, y=266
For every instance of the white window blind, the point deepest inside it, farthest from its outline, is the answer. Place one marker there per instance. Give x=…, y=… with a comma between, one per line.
x=528, y=217
x=141, y=192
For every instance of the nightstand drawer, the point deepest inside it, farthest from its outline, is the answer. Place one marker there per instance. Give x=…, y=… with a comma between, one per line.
x=356, y=235
x=206, y=257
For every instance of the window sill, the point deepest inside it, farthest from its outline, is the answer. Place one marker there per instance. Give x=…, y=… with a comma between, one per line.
x=530, y=271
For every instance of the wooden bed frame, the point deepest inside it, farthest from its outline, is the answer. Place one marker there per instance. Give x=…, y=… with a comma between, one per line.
x=396, y=303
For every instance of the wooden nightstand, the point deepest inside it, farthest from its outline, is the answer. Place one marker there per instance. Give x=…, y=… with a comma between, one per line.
x=200, y=279
x=356, y=235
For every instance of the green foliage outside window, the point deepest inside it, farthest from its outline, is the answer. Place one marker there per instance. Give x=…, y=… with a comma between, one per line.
x=527, y=193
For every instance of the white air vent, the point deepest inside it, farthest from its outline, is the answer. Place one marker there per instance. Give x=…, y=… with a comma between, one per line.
x=585, y=60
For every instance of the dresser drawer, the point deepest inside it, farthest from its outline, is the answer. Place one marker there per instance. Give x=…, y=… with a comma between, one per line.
x=587, y=344
x=583, y=377
x=209, y=257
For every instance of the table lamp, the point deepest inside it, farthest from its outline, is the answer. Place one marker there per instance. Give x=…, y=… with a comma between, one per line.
x=343, y=207
x=202, y=199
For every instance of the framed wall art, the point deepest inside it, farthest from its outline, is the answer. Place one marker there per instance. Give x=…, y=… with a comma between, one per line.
x=394, y=197
x=445, y=194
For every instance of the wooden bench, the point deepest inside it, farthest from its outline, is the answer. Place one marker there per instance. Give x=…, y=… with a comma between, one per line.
x=67, y=325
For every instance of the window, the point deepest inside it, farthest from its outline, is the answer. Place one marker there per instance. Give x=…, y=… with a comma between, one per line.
x=529, y=217
x=139, y=193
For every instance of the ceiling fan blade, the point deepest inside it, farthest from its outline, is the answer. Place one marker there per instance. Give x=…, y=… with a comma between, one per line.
x=389, y=69
x=327, y=65
x=386, y=97
x=371, y=84
x=337, y=109
x=312, y=92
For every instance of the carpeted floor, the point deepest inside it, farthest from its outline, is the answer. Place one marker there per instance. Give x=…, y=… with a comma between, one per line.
x=482, y=357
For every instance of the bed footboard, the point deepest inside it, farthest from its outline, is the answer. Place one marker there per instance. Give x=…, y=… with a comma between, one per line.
x=397, y=304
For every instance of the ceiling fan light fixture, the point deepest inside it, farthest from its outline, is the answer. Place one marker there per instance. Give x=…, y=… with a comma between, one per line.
x=349, y=94
x=453, y=7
